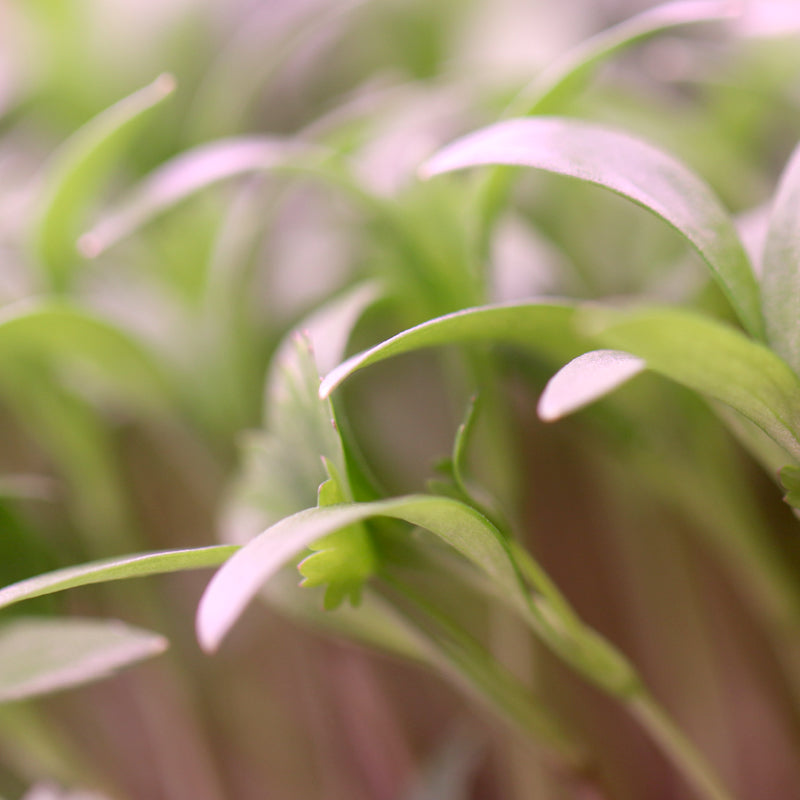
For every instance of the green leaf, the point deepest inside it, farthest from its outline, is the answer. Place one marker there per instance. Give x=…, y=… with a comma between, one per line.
x=183, y=176
x=458, y=525
x=342, y=561
x=568, y=74
x=70, y=337
x=75, y=172
x=40, y=656
x=698, y=352
x=629, y=167
x=234, y=586
x=780, y=278
x=790, y=480
x=712, y=358
x=586, y=379
x=283, y=465
x=545, y=327
x=115, y=569
x=464, y=435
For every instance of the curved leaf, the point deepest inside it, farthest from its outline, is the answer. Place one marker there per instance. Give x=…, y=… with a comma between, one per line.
x=711, y=358
x=457, y=524
x=57, y=330
x=547, y=327
x=568, y=74
x=184, y=175
x=115, y=569
x=39, y=656
x=780, y=278
x=238, y=582
x=701, y=353
x=585, y=379
x=75, y=171
x=629, y=167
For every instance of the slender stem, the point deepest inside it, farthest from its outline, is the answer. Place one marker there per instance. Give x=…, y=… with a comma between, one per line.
x=674, y=744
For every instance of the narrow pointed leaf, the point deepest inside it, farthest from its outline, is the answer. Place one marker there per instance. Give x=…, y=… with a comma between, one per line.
x=236, y=584
x=561, y=80
x=780, y=279
x=77, y=169
x=711, y=358
x=39, y=656
x=545, y=327
x=58, y=331
x=114, y=569
x=460, y=526
x=629, y=167
x=586, y=379
x=182, y=177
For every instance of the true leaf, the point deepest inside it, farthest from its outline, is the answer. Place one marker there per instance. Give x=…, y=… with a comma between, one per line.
x=233, y=587
x=460, y=526
x=343, y=560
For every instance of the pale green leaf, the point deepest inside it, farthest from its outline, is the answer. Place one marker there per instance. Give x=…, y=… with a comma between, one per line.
x=546, y=327
x=627, y=166
x=780, y=278
x=39, y=656
x=75, y=172
x=183, y=176
x=712, y=358
x=283, y=465
x=584, y=380
x=234, y=586
x=68, y=336
x=567, y=75
x=114, y=569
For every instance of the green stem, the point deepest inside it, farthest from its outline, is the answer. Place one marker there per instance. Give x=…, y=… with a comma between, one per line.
x=674, y=744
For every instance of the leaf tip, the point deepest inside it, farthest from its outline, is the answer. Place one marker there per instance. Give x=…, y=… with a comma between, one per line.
x=90, y=245
x=585, y=379
x=336, y=376
x=165, y=84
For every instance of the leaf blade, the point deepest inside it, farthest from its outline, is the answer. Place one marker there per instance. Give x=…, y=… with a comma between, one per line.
x=181, y=177
x=547, y=326
x=41, y=656
x=110, y=569
x=75, y=170
x=586, y=379
x=561, y=79
x=627, y=166
x=780, y=278
x=234, y=586
x=711, y=358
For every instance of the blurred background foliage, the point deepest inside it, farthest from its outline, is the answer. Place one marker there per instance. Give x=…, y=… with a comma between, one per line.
x=625, y=512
